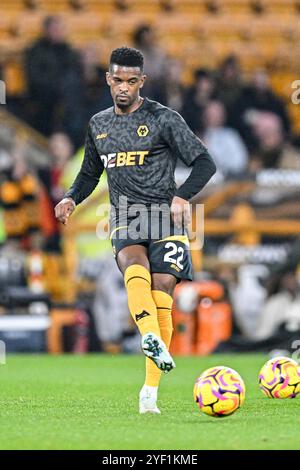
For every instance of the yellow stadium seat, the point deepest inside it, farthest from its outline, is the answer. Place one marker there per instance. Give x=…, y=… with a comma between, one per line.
x=29, y=24
x=14, y=78
x=11, y=47
x=280, y=7
x=235, y=7
x=8, y=5
x=105, y=7
x=286, y=59
x=57, y=6
x=177, y=23
x=32, y=5
x=282, y=83
x=270, y=25
x=83, y=23
x=190, y=6
x=4, y=27
x=225, y=27
x=126, y=23
x=144, y=6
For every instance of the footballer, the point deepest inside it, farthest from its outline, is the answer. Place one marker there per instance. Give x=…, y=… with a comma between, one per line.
x=138, y=141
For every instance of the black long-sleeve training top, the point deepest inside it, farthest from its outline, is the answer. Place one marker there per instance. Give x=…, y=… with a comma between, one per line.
x=139, y=152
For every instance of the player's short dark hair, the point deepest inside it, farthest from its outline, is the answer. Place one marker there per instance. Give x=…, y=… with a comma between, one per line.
x=128, y=57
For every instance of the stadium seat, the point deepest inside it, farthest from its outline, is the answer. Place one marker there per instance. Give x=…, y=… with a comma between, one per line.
x=83, y=23
x=223, y=28
x=192, y=7
x=7, y=23
x=280, y=7
x=144, y=6
x=58, y=6
x=12, y=5
x=14, y=78
x=214, y=325
x=107, y=7
x=205, y=320
x=29, y=24
x=268, y=26
x=180, y=27
x=126, y=23
x=184, y=333
x=235, y=7
x=199, y=32
x=11, y=47
x=60, y=318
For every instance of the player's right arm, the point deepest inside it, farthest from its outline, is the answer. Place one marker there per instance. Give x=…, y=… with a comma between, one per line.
x=87, y=179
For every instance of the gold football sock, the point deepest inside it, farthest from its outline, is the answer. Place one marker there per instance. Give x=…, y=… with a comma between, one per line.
x=163, y=303
x=141, y=304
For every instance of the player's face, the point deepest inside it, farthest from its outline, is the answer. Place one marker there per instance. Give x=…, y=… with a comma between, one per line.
x=125, y=84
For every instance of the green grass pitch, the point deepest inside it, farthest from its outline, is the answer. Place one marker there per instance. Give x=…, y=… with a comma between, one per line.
x=91, y=402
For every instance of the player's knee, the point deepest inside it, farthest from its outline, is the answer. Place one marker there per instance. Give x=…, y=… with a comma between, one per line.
x=165, y=285
x=125, y=261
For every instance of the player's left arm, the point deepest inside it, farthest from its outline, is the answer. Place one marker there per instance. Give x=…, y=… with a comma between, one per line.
x=191, y=150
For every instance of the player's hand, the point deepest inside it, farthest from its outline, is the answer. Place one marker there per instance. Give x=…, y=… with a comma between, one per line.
x=181, y=212
x=64, y=209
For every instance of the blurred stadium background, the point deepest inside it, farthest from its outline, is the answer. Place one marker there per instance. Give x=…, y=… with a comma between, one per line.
x=228, y=67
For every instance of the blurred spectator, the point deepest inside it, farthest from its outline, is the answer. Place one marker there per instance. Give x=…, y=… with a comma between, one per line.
x=230, y=86
x=171, y=92
x=266, y=303
x=197, y=98
x=154, y=59
x=224, y=143
x=53, y=73
x=5, y=162
x=282, y=306
x=61, y=150
x=90, y=245
x=258, y=96
x=96, y=92
x=92, y=95
x=110, y=307
x=272, y=150
x=248, y=296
